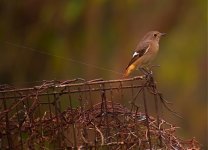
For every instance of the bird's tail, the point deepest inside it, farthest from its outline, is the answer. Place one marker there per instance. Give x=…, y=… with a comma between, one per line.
x=129, y=70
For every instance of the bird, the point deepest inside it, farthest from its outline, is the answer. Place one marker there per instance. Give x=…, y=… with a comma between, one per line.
x=145, y=52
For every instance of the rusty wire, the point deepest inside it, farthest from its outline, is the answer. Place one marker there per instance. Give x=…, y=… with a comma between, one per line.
x=79, y=114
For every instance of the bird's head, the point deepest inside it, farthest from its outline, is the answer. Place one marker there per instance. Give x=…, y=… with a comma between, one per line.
x=153, y=35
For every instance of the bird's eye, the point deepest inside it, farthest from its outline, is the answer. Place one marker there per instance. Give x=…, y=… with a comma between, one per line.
x=155, y=35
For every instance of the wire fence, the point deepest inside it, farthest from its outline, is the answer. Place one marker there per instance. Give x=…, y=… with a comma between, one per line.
x=79, y=114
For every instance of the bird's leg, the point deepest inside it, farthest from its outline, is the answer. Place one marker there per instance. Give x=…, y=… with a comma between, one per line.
x=144, y=71
x=148, y=74
x=149, y=71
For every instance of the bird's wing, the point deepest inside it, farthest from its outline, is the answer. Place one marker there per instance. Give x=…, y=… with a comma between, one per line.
x=140, y=51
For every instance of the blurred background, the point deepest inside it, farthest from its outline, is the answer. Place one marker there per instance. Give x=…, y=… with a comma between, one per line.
x=61, y=40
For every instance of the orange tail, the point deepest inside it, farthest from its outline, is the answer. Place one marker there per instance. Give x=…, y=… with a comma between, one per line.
x=129, y=70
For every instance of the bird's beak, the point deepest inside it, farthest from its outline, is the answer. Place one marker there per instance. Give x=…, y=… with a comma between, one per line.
x=162, y=34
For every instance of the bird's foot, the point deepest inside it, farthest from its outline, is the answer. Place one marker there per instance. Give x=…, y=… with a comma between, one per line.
x=148, y=74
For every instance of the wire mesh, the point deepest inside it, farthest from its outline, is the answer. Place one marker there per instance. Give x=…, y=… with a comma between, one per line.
x=79, y=114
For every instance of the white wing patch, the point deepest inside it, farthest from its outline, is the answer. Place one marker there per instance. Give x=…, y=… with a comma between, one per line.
x=135, y=53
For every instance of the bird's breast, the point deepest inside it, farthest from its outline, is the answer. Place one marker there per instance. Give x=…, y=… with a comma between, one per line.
x=154, y=47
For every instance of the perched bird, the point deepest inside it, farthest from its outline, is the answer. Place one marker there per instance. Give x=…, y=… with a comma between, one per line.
x=145, y=52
